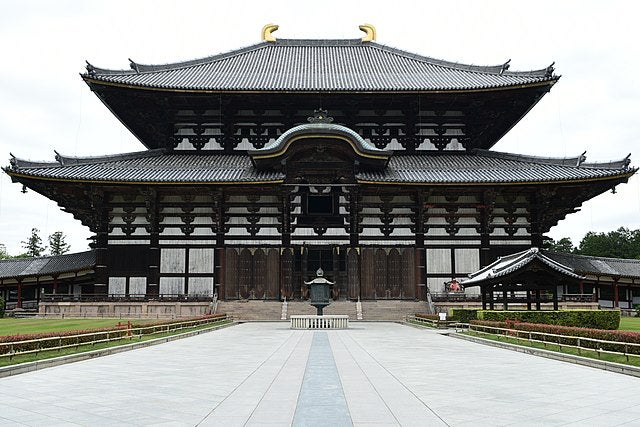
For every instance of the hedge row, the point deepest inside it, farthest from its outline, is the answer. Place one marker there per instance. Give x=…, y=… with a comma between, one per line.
x=70, y=337
x=463, y=315
x=570, y=331
x=597, y=319
x=428, y=316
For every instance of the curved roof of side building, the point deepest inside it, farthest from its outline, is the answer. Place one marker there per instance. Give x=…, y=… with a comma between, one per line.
x=476, y=167
x=319, y=65
x=507, y=265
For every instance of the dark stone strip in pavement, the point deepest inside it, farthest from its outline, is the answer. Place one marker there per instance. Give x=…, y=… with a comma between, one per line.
x=321, y=401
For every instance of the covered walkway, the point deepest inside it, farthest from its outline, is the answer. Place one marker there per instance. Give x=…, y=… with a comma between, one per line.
x=372, y=374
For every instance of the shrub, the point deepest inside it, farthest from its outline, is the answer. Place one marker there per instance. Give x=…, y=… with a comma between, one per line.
x=570, y=331
x=70, y=337
x=463, y=315
x=428, y=316
x=597, y=319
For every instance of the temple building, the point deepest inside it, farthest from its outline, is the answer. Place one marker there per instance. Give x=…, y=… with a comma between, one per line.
x=268, y=162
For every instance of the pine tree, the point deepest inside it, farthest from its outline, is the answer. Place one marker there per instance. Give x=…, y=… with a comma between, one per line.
x=57, y=244
x=33, y=244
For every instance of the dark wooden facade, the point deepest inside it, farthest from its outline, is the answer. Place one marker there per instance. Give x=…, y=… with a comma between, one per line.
x=246, y=190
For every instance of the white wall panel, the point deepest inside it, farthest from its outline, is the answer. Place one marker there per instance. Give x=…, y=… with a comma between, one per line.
x=201, y=260
x=201, y=286
x=117, y=285
x=467, y=260
x=438, y=260
x=137, y=286
x=172, y=285
x=172, y=260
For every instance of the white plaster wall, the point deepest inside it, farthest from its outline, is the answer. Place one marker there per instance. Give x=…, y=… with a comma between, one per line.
x=467, y=260
x=172, y=285
x=172, y=260
x=137, y=286
x=201, y=260
x=438, y=260
x=117, y=285
x=201, y=286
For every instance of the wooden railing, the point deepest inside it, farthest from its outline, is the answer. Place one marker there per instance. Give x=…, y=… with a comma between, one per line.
x=124, y=298
x=562, y=341
x=57, y=343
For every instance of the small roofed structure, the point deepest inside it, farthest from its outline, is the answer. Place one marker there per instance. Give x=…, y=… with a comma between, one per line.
x=529, y=271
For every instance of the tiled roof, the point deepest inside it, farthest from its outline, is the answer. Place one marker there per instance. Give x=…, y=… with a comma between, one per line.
x=46, y=266
x=483, y=166
x=509, y=264
x=479, y=166
x=598, y=265
x=151, y=166
x=319, y=65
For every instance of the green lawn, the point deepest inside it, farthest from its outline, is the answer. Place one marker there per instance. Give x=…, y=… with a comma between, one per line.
x=630, y=324
x=11, y=326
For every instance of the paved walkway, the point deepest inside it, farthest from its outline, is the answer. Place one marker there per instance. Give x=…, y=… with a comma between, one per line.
x=374, y=374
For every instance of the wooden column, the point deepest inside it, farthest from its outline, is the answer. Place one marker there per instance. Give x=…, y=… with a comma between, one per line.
x=537, y=299
x=555, y=297
x=528, y=300
x=505, y=303
x=153, y=272
x=616, y=296
x=220, y=263
x=19, y=302
x=491, y=299
x=483, y=293
x=420, y=254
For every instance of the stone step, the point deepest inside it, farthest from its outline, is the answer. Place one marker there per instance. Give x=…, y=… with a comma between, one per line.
x=272, y=310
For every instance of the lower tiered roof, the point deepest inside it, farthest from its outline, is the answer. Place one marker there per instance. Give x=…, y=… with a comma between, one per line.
x=477, y=167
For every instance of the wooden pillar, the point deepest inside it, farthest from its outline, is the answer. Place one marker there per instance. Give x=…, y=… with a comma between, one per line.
x=483, y=293
x=616, y=296
x=538, y=299
x=102, y=278
x=505, y=303
x=491, y=300
x=303, y=271
x=528, y=300
x=19, y=302
x=555, y=297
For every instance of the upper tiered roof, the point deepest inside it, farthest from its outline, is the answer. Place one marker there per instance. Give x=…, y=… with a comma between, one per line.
x=319, y=65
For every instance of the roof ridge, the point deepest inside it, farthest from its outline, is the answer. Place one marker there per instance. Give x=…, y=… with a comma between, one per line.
x=578, y=161
x=499, y=69
x=73, y=160
x=44, y=257
x=593, y=256
x=137, y=68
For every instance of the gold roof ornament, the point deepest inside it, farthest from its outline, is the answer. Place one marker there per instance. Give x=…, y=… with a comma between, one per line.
x=266, y=32
x=370, y=31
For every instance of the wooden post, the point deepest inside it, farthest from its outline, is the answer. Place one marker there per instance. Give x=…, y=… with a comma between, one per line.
x=555, y=297
x=505, y=303
x=538, y=299
x=491, y=301
x=19, y=302
x=528, y=300
x=483, y=293
x=616, y=296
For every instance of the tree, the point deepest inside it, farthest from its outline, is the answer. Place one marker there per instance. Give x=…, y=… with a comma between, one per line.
x=3, y=252
x=621, y=243
x=33, y=244
x=57, y=244
x=563, y=245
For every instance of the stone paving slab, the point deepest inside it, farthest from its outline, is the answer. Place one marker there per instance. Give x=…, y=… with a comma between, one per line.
x=377, y=374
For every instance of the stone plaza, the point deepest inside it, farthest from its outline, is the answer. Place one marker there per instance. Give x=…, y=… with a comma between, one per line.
x=372, y=374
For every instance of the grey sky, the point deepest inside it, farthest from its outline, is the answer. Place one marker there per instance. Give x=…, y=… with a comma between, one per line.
x=44, y=105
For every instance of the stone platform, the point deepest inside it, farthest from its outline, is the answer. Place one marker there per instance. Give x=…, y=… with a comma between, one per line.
x=373, y=374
